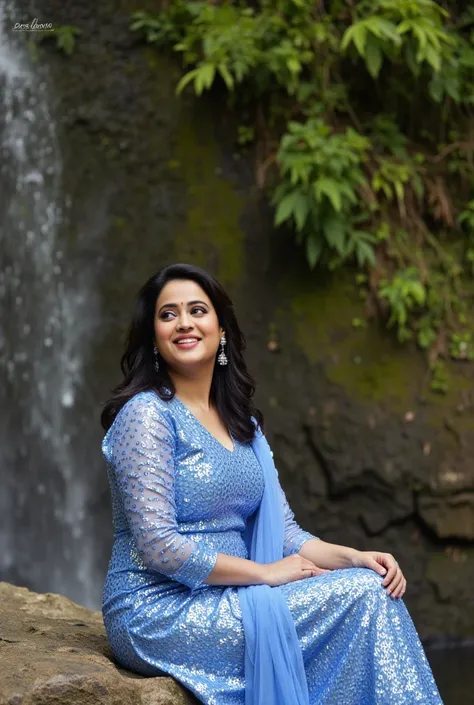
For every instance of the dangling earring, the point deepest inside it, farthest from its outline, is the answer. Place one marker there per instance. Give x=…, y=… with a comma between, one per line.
x=157, y=363
x=222, y=359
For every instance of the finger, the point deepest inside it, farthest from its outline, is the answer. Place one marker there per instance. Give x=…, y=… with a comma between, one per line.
x=395, y=592
x=313, y=570
x=395, y=583
x=401, y=589
x=373, y=565
x=398, y=591
x=392, y=568
x=321, y=571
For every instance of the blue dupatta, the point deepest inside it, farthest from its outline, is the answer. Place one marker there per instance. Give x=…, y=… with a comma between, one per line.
x=274, y=669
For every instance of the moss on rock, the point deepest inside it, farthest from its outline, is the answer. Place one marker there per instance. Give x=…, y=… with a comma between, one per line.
x=211, y=236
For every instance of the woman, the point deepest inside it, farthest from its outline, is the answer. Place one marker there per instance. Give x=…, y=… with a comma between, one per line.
x=211, y=580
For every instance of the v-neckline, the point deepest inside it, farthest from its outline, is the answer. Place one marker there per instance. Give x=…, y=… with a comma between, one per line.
x=206, y=429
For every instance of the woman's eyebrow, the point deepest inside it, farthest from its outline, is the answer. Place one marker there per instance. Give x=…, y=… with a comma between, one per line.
x=172, y=305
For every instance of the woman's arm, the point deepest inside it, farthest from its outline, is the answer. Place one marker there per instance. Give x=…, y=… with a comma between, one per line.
x=142, y=458
x=231, y=570
x=333, y=556
x=328, y=555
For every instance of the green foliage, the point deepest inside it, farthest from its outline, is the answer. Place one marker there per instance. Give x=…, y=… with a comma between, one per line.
x=404, y=292
x=64, y=37
x=321, y=173
x=461, y=346
x=411, y=31
x=363, y=115
x=440, y=377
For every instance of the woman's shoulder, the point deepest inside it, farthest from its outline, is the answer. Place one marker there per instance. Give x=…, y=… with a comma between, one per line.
x=144, y=406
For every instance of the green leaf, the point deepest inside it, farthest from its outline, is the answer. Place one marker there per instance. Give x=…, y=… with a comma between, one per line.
x=300, y=211
x=286, y=207
x=204, y=77
x=373, y=58
x=348, y=192
x=314, y=248
x=330, y=188
x=335, y=233
x=357, y=33
x=433, y=57
x=293, y=65
x=187, y=78
x=410, y=58
x=383, y=29
x=365, y=253
x=418, y=292
x=226, y=75
x=405, y=26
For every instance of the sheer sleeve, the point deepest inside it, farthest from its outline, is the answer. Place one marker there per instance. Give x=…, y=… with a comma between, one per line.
x=295, y=536
x=142, y=456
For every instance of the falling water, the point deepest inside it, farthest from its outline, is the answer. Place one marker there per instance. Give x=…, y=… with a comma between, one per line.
x=47, y=319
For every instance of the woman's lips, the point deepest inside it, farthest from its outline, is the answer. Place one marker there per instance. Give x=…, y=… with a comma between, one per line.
x=187, y=345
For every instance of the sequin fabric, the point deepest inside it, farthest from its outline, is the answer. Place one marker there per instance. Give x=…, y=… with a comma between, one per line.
x=179, y=497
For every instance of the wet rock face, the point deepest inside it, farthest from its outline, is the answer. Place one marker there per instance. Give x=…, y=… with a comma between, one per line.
x=54, y=652
x=451, y=516
x=367, y=455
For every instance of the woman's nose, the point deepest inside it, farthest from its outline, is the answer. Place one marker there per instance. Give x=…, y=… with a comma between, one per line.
x=184, y=321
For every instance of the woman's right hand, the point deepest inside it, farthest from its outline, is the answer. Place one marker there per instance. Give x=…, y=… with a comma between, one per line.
x=289, y=569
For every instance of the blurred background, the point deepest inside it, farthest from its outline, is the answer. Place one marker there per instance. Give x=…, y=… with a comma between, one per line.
x=318, y=159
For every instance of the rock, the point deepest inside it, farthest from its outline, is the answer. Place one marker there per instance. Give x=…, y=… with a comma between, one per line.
x=449, y=516
x=55, y=652
x=452, y=574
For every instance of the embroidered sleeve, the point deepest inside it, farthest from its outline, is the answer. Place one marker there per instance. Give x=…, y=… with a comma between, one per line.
x=143, y=460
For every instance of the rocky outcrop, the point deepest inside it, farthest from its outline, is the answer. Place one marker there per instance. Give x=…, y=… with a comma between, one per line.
x=55, y=652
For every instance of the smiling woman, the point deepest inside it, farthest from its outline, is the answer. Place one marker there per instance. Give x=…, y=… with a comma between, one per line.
x=178, y=303
x=211, y=580
x=187, y=334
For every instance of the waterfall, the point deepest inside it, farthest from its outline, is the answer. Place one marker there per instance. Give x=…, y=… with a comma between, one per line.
x=48, y=317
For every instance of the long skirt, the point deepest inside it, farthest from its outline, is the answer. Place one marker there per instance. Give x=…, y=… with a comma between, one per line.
x=359, y=645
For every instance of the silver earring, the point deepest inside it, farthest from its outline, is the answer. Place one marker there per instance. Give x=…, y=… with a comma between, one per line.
x=157, y=363
x=222, y=358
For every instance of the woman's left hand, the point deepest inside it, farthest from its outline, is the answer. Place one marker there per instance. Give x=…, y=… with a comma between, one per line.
x=383, y=564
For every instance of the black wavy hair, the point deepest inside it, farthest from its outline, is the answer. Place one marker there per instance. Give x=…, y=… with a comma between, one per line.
x=232, y=386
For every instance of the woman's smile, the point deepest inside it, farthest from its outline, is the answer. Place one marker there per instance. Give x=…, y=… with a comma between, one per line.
x=187, y=343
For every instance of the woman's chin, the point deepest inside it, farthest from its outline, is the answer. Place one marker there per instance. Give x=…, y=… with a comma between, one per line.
x=191, y=361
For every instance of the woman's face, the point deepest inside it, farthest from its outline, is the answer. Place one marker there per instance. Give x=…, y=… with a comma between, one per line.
x=184, y=312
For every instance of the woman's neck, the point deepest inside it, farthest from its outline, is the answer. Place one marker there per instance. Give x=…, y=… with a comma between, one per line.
x=193, y=391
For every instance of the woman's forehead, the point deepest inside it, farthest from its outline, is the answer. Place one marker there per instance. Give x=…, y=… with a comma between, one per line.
x=182, y=291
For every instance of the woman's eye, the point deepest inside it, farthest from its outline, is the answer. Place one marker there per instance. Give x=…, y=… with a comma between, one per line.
x=196, y=309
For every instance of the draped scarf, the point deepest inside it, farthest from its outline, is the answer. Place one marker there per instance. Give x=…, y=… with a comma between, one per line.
x=274, y=669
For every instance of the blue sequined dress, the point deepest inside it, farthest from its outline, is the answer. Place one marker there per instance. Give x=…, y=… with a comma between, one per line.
x=179, y=497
